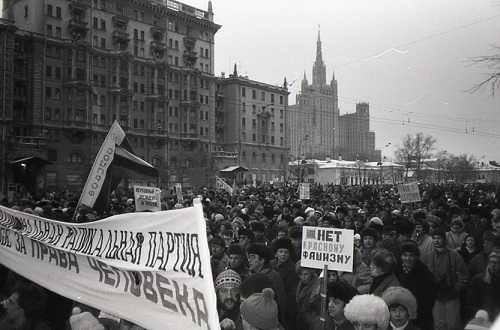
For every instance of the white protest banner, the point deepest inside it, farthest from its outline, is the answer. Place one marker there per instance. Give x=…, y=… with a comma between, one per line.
x=409, y=192
x=304, y=191
x=178, y=192
x=331, y=246
x=152, y=270
x=147, y=198
x=221, y=184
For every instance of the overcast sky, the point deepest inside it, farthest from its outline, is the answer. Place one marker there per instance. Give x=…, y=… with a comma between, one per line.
x=407, y=58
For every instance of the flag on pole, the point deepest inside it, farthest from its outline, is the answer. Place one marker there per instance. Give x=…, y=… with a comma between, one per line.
x=114, y=161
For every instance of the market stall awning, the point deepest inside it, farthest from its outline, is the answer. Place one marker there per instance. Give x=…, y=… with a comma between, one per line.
x=31, y=160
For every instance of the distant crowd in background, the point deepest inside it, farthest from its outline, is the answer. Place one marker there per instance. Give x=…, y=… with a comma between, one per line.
x=433, y=264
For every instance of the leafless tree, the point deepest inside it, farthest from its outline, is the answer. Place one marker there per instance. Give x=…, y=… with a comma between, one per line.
x=414, y=150
x=492, y=64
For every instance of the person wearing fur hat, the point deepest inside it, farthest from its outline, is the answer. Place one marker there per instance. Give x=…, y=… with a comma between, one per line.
x=284, y=264
x=360, y=277
x=478, y=263
x=339, y=294
x=369, y=238
x=245, y=237
x=258, y=229
x=456, y=236
x=219, y=258
x=421, y=233
x=259, y=258
x=402, y=307
x=307, y=296
x=237, y=260
x=417, y=278
x=227, y=288
x=260, y=312
x=382, y=271
x=451, y=275
x=469, y=249
x=484, y=289
x=367, y=312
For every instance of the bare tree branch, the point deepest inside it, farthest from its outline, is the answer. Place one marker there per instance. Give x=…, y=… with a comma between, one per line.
x=492, y=63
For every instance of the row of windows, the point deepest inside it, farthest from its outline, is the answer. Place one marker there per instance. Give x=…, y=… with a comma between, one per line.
x=254, y=109
x=263, y=138
x=262, y=95
x=263, y=124
x=263, y=157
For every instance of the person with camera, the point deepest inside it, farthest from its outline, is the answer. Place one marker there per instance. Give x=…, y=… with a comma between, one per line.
x=452, y=276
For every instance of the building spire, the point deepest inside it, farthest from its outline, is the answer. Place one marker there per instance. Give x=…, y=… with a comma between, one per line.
x=319, y=55
x=319, y=68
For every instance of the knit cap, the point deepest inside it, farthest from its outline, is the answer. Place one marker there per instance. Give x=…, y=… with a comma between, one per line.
x=239, y=221
x=260, y=310
x=480, y=322
x=228, y=279
x=439, y=232
x=218, y=217
x=84, y=321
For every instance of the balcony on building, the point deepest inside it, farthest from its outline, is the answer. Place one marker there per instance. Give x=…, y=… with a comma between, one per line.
x=219, y=125
x=26, y=141
x=121, y=37
x=77, y=24
x=157, y=32
x=190, y=57
x=158, y=49
x=78, y=28
x=192, y=100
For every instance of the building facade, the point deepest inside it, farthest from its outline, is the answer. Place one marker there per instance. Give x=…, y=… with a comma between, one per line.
x=79, y=65
x=315, y=116
x=251, y=130
x=357, y=142
x=317, y=128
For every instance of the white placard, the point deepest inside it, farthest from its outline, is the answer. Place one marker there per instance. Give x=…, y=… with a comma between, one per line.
x=304, y=191
x=147, y=199
x=331, y=246
x=409, y=192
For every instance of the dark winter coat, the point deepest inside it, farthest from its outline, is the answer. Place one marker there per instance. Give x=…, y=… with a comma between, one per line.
x=421, y=283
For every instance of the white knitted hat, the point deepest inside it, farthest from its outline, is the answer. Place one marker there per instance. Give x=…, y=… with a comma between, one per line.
x=84, y=321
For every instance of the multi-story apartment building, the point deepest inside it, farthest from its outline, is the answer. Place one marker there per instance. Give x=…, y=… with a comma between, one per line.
x=79, y=65
x=251, y=130
x=317, y=130
x=357, y=142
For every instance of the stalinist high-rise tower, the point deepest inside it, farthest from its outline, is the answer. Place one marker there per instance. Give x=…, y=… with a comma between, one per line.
x=314, y=117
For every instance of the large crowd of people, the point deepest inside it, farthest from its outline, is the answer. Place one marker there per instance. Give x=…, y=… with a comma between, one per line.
x=432, y=264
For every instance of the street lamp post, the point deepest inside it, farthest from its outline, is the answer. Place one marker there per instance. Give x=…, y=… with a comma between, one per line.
x=380, y=163
x=299, y=171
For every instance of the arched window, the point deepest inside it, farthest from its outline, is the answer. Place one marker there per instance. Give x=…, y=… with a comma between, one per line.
x=189, y=163
x=157, y=162
x=75, y=158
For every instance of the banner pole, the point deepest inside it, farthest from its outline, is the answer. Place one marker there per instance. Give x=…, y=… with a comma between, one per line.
x=324, y=303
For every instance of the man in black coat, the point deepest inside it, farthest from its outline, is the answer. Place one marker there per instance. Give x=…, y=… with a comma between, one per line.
x=413, y=275
x=284, y=252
